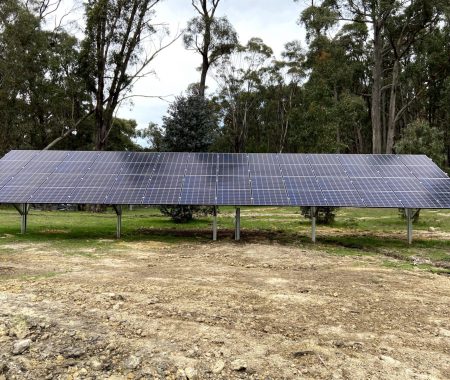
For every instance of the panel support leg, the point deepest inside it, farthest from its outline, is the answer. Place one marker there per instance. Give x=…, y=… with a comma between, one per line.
x=118, y=210
x=313, y=223
x=237, y=232
x=214, y=223
x=23, y=211
x=409, y=226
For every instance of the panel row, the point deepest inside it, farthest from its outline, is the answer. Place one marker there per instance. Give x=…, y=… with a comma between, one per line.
x=221, y=178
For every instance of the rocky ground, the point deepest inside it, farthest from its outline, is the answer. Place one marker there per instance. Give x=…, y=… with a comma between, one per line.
x=221, y=310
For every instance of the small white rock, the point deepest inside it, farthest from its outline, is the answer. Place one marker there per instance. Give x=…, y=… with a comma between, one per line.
x=218, y=367
x=21, y=346
x=191, y=373
x=238, y=365
x=132, y=362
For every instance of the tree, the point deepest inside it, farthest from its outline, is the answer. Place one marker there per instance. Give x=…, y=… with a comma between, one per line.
x=115, y=53
x=420, y=138
x=210, y=36
x=239, y=75
x=41, y=91
x=190, y=126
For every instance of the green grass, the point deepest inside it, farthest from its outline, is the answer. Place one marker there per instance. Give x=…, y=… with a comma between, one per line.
x=356, y=232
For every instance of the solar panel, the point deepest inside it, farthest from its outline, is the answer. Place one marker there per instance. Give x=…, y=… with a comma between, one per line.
x=267, y=183
x=233, y=182
x=417, y=199
x=301, y=183
x=233, y=169
x=371, y=184
x=161, y=196
x=223, y=178
x=269, y=197
x=293, y=159
x=234, y=197
x=165, y=182
x=263, y=170
x=191, y=196
x=380, y=199
x=343, y=198
x=306, y=198
x=328, y=171
x=335, y=183
x=297, y=170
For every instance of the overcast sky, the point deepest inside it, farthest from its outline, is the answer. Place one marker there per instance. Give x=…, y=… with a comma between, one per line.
x=275, y=21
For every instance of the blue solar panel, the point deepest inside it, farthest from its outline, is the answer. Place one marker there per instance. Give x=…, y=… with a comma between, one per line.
x=131, y=196
x=269, y=197
x=355, y=171
x=335, y=183
x=394, y=171
x=267, y=183
x=306, y=198
x=264, y=170
x=343, y=198
x=233, y=169
x=191, y=196
x=301, y=183
x=231, y=182
x=293, y=159
x=161, y=196
x=297, y=170
x=201, y=169
x=380, y=199
x=166, y=182
x=222, y=178
x=234, y=197
x=427, y=172
x=371, y=184
x=232, y=158
x=329, y=171
x=437, y=185
x=324, y=159
x=417, y=199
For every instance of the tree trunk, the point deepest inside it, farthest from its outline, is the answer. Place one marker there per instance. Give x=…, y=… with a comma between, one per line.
x=392, y=108
x=376, y=89
x=205, y=67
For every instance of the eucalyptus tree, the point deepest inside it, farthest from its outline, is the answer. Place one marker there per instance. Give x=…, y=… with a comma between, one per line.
x=121, y=40
x=239, y=75
x=210, y=36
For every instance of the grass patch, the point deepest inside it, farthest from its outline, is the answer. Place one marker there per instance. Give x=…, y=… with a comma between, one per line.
x=356, y=232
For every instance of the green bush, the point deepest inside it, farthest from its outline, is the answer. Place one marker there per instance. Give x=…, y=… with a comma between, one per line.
x=324, y=215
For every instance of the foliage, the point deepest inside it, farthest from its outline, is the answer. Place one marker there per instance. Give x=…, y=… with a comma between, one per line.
x=210, y=36
x=419, y=137
x=113, y=54
x=324, y=215
x=190, y=125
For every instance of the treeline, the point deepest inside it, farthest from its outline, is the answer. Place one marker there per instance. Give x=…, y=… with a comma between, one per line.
x=373, y=76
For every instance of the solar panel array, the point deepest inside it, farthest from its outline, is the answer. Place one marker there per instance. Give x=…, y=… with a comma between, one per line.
x=405, y=181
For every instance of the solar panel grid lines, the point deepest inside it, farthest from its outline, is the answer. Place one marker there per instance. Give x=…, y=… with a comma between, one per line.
x=96, y=186
x=58, y=186
x=36, y=173
x=336, y=186
x=364, y=174
x=218, y=178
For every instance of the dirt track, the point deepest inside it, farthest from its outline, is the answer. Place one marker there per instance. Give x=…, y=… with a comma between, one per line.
x=218, y=311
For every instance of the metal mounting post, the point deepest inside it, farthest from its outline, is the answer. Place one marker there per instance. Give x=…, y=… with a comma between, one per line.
x=237, y=232
x=23, y=211
x=118, y=210
x=214, y=223
x=313, y=223
x=409, y=217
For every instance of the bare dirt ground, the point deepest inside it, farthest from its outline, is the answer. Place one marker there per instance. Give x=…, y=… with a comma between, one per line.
x=152, y=310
